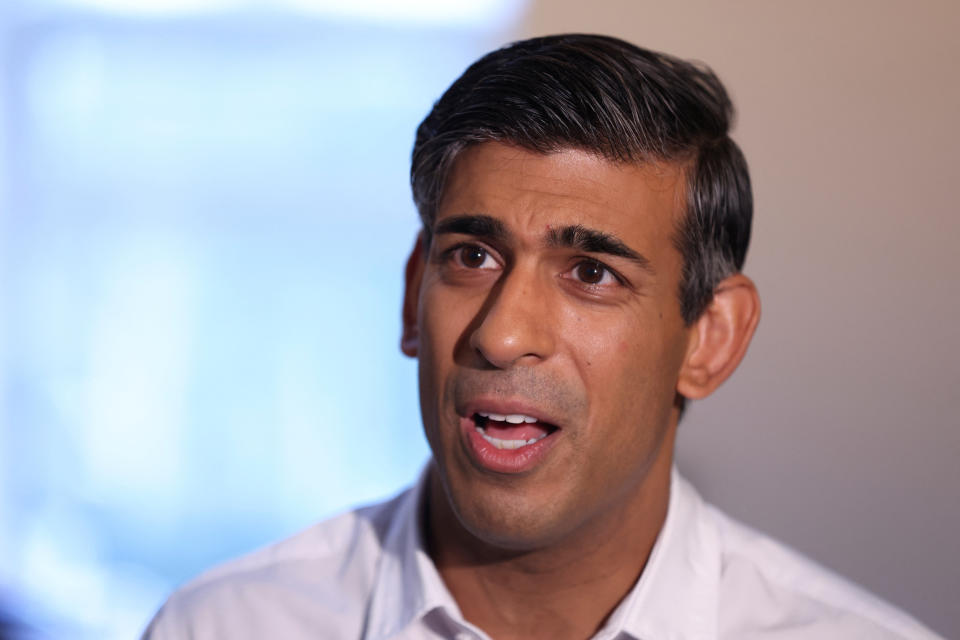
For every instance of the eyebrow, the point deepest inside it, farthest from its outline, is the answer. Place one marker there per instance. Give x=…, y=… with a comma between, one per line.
x=592, y=241
x=473, y=225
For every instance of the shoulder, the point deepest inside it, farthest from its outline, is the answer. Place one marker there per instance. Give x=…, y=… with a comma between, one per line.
x=315, y=584
x=768, y=590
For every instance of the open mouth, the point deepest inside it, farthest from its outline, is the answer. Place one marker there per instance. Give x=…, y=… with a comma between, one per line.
x=511, y=431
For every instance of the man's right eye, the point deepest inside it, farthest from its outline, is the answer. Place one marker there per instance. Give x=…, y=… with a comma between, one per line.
x=474, y=257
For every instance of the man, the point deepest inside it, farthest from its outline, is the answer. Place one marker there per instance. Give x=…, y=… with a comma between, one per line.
x=577, y=280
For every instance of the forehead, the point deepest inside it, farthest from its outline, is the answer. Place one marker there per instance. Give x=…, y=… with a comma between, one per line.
x=532, y=192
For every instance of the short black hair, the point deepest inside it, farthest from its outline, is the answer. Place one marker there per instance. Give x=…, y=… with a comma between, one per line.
x=609, y=97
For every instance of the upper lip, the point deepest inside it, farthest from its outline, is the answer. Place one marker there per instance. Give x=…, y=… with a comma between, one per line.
x=507, y=406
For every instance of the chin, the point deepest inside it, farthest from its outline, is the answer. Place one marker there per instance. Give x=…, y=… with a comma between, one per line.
x=507, y=521
x=508, y=533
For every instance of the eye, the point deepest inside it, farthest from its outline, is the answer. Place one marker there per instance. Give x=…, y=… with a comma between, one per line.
x=474, y=257
x=594, y=273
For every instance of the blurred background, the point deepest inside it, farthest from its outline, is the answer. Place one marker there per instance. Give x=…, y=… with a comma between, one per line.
x=204, y=214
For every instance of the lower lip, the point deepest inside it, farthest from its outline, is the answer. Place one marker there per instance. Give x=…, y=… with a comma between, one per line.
x=512, y=461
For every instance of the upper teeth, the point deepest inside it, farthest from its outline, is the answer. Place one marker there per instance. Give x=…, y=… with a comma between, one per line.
x=512, y=418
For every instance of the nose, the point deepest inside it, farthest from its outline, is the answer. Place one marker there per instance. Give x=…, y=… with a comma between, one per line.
x=515, y=326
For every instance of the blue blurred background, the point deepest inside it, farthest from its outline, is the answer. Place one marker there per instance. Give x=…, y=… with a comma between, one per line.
x=204, y=214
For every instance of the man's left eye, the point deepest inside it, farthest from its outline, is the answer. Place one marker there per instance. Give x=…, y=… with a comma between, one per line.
x=594, y=273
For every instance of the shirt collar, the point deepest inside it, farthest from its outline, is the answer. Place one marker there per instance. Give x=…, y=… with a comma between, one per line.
x=675, y=598
x=408, y=586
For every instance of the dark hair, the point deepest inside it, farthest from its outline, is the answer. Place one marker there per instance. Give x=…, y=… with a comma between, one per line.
x=609, y=97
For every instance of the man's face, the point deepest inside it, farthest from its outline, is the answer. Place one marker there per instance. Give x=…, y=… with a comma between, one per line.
x=550, y=338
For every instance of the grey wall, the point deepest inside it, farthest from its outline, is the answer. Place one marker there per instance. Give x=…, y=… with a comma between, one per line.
x=839, y=434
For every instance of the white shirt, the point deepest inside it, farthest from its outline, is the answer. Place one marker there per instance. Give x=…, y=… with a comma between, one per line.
x=366, y=575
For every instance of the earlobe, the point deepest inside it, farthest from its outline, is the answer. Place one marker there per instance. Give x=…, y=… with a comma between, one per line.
x=722, y=335
x=410, y=337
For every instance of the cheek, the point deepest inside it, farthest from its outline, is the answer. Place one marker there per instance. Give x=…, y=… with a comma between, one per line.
x=630, y=368
x=430, y=358
x=443, y=321
x=437, y=317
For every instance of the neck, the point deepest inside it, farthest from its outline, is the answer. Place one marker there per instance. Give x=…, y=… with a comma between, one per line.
x=540, y=593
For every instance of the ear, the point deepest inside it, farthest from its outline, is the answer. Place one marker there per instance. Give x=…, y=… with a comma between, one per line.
x=410, y=338
x=720, y=337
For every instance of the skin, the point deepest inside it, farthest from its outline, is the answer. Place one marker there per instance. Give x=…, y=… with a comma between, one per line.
x=592, y=340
